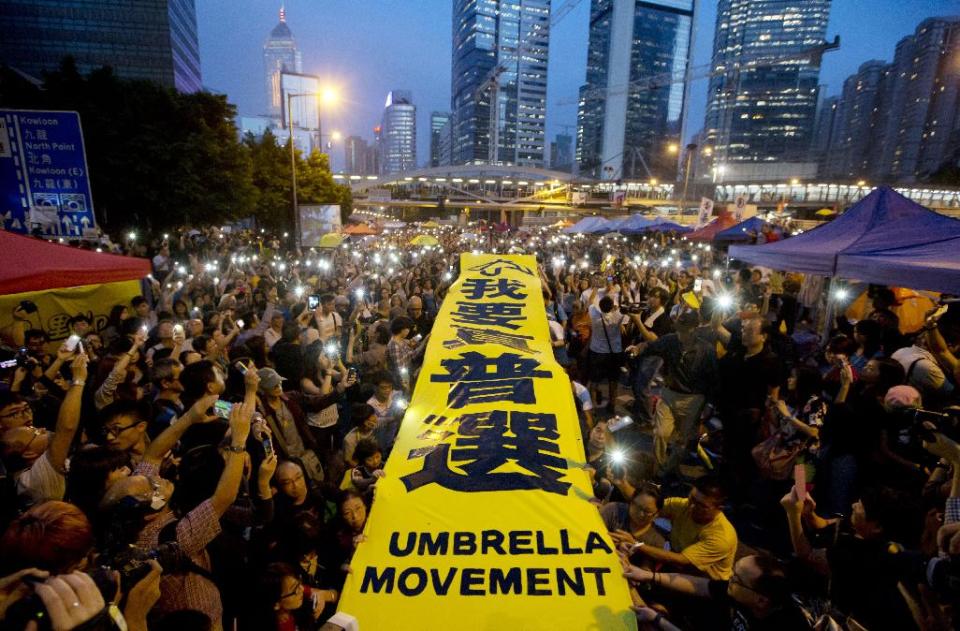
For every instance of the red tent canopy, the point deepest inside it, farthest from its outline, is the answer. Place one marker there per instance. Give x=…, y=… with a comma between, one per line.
x=706, y=233
x=28, y=264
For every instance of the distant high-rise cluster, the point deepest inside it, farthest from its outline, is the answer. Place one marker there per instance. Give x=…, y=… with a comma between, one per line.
x=762, y=98
x=155, y=40
x=631, y=106
x=898, y=121
x=360, y=156
x=499, y=81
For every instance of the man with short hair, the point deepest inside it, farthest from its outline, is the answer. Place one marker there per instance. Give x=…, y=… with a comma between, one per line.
x=142, y=311
x=606, y=346
x=328, y=322
x=387, y=403
x=273, y=334
x=166, y=405
x=422, y=322
x=689, y=370
x=756, y=597
x=701, y=538
x=36, y=458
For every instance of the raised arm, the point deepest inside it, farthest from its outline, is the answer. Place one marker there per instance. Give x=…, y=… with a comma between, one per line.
x=168, y=438
x=229, y=484
x=68, y=418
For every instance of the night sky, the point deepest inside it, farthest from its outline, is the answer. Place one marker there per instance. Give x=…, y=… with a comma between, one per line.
x=368, y=47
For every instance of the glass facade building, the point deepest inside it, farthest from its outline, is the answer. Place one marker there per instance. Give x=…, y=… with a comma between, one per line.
x=280, y=55
x=762, y=99
x=154, y=40
x=438, y=122
x=398, y=134
x=631, y=105
x=499, y=81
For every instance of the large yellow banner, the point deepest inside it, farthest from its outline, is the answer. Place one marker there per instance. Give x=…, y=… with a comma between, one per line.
x=483, y=520
x=55, y=307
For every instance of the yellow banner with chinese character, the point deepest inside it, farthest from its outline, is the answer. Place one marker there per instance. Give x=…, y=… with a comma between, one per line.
x=483, y=519
x=55, y=307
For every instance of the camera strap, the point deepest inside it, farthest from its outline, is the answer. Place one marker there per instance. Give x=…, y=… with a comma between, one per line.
x=603, y=323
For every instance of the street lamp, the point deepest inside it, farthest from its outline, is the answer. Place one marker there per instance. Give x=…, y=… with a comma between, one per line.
x=691, y=149
x=328, y=96
x=673, y=148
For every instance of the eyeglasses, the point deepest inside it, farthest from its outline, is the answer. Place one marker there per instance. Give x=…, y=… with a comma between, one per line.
x=116, y=431
x=736, y=580
x=23, y=410
x=290, y=481
x=296, y=590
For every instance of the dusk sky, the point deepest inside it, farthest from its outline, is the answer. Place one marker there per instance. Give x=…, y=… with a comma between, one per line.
x=368, y=47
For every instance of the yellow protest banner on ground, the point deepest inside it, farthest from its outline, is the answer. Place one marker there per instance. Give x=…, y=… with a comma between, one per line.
x=55, y=307
x=483, y=520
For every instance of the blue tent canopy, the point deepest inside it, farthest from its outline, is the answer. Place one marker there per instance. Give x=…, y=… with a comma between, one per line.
x=635, y=224
x=662, y=225
x=602, y=224
x=583, y=225
x=933, y=266
x=884, y=238
x=740, y=232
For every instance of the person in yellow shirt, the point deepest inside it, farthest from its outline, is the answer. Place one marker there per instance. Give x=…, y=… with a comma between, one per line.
x=701, y=538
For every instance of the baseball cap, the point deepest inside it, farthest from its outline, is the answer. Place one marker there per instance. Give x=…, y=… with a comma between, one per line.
x=269, y=379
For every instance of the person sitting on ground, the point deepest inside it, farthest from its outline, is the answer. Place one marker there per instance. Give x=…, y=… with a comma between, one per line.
x=702, y=540
x=631, y=522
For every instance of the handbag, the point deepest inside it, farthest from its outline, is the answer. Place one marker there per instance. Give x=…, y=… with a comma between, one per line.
x=775, y=456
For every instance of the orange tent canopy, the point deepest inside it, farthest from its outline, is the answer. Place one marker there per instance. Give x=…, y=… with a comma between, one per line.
x=359, y=229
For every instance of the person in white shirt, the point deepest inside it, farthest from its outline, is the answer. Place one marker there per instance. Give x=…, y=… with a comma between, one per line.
x=328, y=322
x=272, y=335
x=606, y=347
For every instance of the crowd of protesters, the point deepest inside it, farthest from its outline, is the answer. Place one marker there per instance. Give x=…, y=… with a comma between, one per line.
x=206, y=458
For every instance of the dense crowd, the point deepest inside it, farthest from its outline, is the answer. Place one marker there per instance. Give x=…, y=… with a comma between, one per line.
x=207, y=457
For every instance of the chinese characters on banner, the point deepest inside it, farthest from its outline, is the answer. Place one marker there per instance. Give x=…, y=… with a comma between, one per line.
x=44, y=182
x=483, y=516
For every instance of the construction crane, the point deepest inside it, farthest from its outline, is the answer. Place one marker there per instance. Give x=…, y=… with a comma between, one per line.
x=490, y=86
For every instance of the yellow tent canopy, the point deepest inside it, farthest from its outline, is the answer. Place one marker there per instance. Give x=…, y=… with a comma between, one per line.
x=430, y=225
x=332, y=240
x=424, y=239
x=825, y=212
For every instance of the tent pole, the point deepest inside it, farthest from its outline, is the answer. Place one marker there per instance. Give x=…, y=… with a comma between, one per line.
x=827, y=312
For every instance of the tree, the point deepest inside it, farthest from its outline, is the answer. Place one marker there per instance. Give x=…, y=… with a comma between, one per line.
x=271, y=176
x=315, y=184
x=157, y=158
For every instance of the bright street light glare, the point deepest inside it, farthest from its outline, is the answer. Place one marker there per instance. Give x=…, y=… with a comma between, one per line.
x=329, y=95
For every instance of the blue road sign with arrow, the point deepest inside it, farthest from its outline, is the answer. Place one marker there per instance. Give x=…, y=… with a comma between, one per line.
x=44, y=179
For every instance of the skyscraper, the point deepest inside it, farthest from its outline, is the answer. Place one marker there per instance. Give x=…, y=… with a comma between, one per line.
x=631, y=106
x=499, y=81
x=355, y=151
x=398, y=133
x=897, y=122
x=438, y=121
x=280, y=55
x=154, y=40
x=854, y=136
x=920, y=103
x=561, y=152
x=762, y=103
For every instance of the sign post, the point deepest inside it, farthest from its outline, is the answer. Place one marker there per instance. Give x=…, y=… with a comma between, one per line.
x=44, y=180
